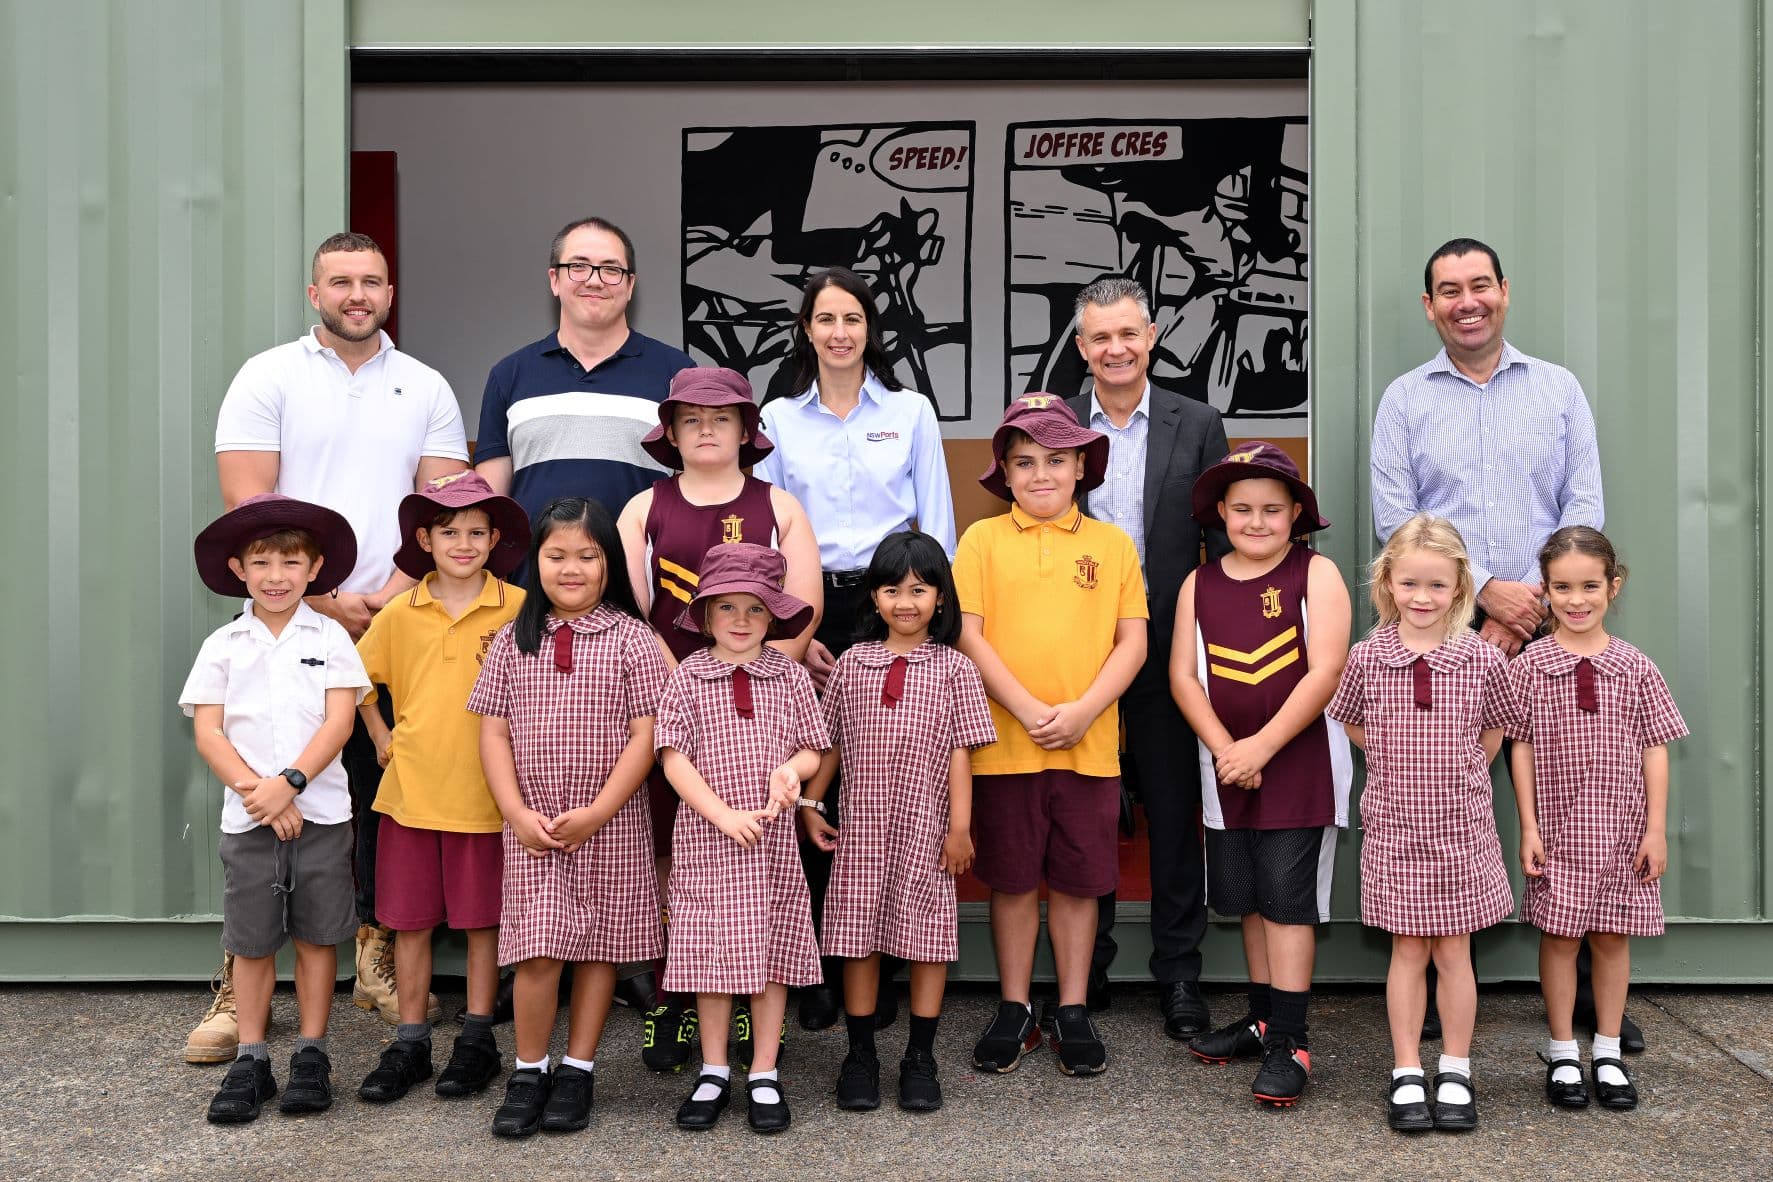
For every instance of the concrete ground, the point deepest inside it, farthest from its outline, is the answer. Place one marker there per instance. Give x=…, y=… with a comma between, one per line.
x=94, y=1088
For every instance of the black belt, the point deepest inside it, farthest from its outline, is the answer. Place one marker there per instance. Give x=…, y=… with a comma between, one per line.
x=839, y=580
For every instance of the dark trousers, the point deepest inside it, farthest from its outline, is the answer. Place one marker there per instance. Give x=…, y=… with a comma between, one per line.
x=1161, y=749
x=837, y=632
x=365, y=776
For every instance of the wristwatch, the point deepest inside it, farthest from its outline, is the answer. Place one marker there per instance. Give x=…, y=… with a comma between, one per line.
x=807, y=802
x=296, y=779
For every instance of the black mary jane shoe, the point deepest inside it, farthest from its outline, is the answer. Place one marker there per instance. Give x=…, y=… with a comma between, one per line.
x=1565, y=1095
x=1413, y=1117
x=702, y=1114
x=767, y=1118
x=1620, y=1097
x=1455, y=1118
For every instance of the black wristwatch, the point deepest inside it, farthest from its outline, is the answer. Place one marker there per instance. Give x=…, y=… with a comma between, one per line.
x=295, y=778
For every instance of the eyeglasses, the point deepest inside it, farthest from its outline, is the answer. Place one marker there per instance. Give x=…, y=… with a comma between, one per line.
x=580, y=272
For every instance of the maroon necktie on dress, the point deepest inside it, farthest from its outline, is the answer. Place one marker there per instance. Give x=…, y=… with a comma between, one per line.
x=894, y=689
x=742, y=694
x=1424, y=693
x=1585, y=695
x=563, y=648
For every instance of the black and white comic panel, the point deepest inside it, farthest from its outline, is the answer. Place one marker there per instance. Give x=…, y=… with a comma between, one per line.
x=765, y=207
x=1209, y=214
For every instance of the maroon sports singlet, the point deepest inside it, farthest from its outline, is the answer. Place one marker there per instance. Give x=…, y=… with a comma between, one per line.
x=678, y=534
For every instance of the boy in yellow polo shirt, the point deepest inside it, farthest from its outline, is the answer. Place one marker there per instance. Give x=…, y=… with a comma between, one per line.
x=1053, y=614
x=439, y=856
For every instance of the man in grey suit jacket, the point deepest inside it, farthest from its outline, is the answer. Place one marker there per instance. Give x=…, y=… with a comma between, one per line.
x=1158, y=443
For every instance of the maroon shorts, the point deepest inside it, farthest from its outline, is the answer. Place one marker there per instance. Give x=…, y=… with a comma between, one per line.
x=426, y=877
x=663, y=799
x=1056, y=825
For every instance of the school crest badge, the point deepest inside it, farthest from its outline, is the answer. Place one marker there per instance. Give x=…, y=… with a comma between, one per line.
x=732, y=529
x=1271, y=603
x=1086, y=573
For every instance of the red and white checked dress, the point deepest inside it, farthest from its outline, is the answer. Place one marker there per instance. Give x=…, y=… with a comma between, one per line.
x=600, y=902
x=740, y=918
x=1431, y=862
x=1588, y=776
x=888, y=892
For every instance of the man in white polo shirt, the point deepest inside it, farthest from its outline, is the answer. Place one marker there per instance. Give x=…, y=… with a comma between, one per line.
x=341, y=418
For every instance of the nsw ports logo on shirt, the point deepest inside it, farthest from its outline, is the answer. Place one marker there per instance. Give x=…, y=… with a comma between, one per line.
x=882, y=436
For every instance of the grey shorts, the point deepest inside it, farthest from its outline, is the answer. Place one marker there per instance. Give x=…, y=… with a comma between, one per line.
x=1281, y=874
x=273, y=890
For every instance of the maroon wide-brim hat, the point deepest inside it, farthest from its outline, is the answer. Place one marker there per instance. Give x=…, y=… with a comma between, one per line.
x=1046, y=419
x=462, y=490
x=1258, y=460
x=703, y=386
x=732, y=568
x=260, y=517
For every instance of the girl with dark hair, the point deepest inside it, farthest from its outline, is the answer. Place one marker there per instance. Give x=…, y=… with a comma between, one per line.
x=904, y=708
x=863, y=455
x=567, y=695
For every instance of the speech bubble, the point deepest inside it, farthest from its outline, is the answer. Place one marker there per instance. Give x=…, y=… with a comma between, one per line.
x=925, y=160
x=1109, y=143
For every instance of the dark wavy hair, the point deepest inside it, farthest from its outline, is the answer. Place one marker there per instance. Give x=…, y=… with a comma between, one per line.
x=802, y=358
x=910, y=553
x=600, y=527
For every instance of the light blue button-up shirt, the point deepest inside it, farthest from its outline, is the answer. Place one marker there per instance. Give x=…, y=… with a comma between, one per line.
x=1120, y=498
x=1508, y=462
x=863, y=477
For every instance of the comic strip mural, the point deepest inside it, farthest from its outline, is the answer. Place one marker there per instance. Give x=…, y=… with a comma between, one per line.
x=1209, y=214
x=765, y=207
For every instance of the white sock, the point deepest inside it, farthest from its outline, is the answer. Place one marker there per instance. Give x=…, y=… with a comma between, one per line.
x=540, y=1065
x=1413, y=1093
x=1453, y=1092
x=769, y=1095
x=708, y=1091
x=585, y=1065
x=1608, y=1048
x=1556, y=1049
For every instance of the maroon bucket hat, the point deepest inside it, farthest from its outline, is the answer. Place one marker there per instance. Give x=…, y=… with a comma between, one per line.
x=703, y=386
x=1049, y=422
x=461, y=490
x=1255, y=461
x=734, y=567
x=260, y=517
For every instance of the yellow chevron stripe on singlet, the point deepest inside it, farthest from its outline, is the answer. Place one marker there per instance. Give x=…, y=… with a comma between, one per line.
x=1258, y=676
x=1250, y=658
x=684, y=573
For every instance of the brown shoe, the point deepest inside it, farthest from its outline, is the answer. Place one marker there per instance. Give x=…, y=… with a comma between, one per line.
x=217, y=1037
x=374, y=989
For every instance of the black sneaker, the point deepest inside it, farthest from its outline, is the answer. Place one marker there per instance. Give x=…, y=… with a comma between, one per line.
x=1080, y=1047
x=1240, y=1040
x=745, y=1038
x=919, y=1089
x=858, y=1081
x=310, y=1083
x=667, y=1037
x=244, y=1091
x=1286, y=1066
x=569, y=1100
x=402, y=1065
x=473, y=1064
x=1012, y=1034
x=639, y=992
x=526, y=1096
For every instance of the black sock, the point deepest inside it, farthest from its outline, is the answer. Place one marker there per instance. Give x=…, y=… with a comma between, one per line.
x=1261, y=1001
x=1289, y=1014
x=923, y=1034
x=861, y=1031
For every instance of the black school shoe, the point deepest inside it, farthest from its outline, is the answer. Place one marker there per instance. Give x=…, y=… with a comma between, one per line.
x=767, y=1118
x=919, y=1089
x=1565, y=1095
x=817, y=1008
x=402, y=1065
x=1455, y=1118
x=1620, y=1097
x=244, y=1091
x=1184, y=1010
x=1240, y=1040
x=702, y=1114
x=1413, y=1117
x=1080, y=1046
x=310, y=1083
x=473, y=1064
x=1012, y=1034
x=526, y=1097
x=569, y=1100
x=858, y=1082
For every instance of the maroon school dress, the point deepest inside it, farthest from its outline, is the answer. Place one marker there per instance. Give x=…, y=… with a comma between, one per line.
x=897, y=720
x=569, y=705
x=1431, y=862
x=740, y=918
x=1588, y=776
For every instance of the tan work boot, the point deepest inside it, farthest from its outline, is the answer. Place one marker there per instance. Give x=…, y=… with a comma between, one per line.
x=217, y=1037
x=374, y=989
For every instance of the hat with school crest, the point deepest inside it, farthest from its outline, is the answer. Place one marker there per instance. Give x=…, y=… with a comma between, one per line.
x=1256, y=460
x=1046, y=419
x=461, y=490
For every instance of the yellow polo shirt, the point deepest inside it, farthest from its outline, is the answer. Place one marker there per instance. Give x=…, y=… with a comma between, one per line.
x=1050, y=593
x=429, y=662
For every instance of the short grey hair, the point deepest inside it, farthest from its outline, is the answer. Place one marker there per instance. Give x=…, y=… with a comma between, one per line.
x=1112, y=290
